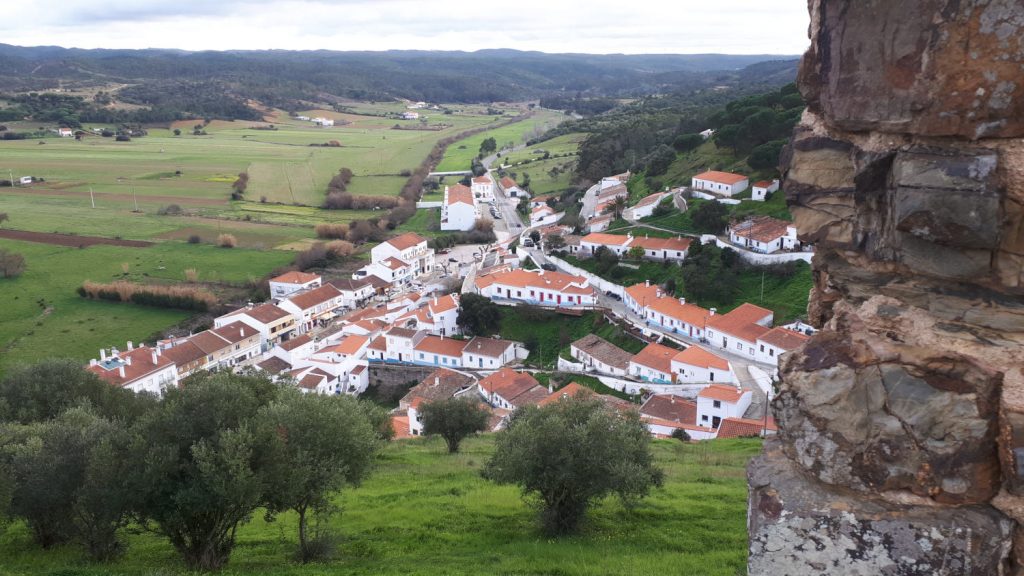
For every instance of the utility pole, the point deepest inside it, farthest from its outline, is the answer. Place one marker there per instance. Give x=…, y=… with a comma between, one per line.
x=11, y=173
x=134, y=198
x=762, y=285
x=92, y=198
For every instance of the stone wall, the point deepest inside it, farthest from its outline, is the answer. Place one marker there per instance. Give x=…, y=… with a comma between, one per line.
x=901, y=445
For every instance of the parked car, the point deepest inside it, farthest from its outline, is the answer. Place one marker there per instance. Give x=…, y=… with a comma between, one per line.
x=548, y=266
x=528, y=243
x=453, y=260
x=497, y=215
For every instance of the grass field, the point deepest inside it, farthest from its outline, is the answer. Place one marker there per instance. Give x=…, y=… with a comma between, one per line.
x=42, y=316
x=547, y=333
x=424, y=512
x=681, y=221
x=461, y=153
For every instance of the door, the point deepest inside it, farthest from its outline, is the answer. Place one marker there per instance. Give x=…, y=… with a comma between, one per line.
x=715, y=421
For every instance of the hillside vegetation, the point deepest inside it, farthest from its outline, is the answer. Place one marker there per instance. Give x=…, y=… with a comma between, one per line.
x=425, y=512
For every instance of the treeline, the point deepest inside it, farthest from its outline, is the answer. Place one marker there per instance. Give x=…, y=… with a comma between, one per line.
x=179, y=297
x=758, y=126
x=579, y=105
x=81, y=461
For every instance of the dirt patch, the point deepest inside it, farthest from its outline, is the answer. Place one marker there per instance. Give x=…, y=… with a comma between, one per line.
x=128, y=197
x=69, y=239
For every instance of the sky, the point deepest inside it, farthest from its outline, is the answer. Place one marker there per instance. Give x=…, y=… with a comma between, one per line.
x=594, y=26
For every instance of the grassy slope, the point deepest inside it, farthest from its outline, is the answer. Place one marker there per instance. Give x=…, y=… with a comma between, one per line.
x=461, y=153
x=67, y=325
x=424, y=512
x=554, y=332
x=774, y=207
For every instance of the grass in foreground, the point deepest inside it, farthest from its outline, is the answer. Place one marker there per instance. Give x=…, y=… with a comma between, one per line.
x=424, y=512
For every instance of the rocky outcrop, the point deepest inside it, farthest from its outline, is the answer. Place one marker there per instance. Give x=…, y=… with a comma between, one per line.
x=901, y=444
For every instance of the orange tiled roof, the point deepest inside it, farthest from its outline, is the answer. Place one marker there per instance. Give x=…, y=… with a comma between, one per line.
x=784, y=338
x=720, y=177
x=548, y=280
x=690, y=313
x=643, y=293
x=349, y=345
x=295, y=277
x=762, y=228
x=677, y=244
x=459, y=193
x=294, y=343
x=508, y=383
x=442, y=346
x=671, y=408
x=142, y=365
x=724, y=392
x=697, y=356
x=762, y=184
x=406, y=241
x=656, y=356
x=443, y=304
x=744, y=427
x=606, y=239
x=313, y=297
x=742, y=322
x=651, y=199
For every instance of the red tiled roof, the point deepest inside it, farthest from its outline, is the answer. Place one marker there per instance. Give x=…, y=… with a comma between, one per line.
x=507, y=182
x=784, y=338
x=442, y=346
x=235, y=332
x=481, y=180
x=742, y=322
x=605, y=351
x=720, y=177
x=349, y=345
x=762, y=229
x=295, y=277
x=656, y=356
x=556, y=281
x=274, y=365
x=723, y=392
x=677, y=244
x=697, y=356
x=406, y=241
x=438, y=385
x=141, y=366
x=379, y=343
x=651, y=199
x=509, y=384
x=762, y=184
x=459, y=193
x=744, y=427
x=394, y=263
x=306, y=300
x=689, y=313
x=671, y=408
x=294, y=343
x=443, y=304
x=487, y=346
x=208, y=341
x=265, y=313
x=642, y=293
x=605, y=239
x=184, y=353
x=400, y=424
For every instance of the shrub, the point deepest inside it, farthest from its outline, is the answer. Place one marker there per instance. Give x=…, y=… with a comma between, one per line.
x=681, y=435
x=11, y=264
x=331, y=231
x=191, y=275
x=227, y=241
x=169, y=210
x=194, y=239
x=183, y=297
x=340, y=248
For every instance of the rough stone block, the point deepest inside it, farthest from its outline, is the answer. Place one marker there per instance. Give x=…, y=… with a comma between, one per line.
x=800, y=526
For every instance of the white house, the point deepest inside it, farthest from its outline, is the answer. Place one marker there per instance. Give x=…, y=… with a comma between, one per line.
x=665, y=413
x=409, y=247
x=677, y=315
x=613, y=242
x=394, y=271
x=599, y=223
x=354, y=293
x=141, y=369
x=599, y=355
x=720, y=401
x=410, y=115
x=483, y=188
x=459, y=210
x=724, y=183
x=490, y=353
x=512, y=190
x=638, y=296
x=509, y=389
x=612, y=181
x=25, y=180
x=776, y=342
x=645, y=207
x=674, y=249
x=323, y=122
x=539, y=287
x=764, y=234
x=762, y=188
x=65, y=132
x=439, y=316
x=737, y=331
x=653, y=364
x=439, y=351
x=274, y=323
x=696, y=365
x=705, y=134
x=312, y=307
x=541, y=215
x=291, y=282
x=294, y=349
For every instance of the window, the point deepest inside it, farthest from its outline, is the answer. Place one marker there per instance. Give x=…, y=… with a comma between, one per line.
x=718, y=403
x=704, y=418
x=711, y=376
x=762, y=347
x=421, y=355
x=238, y=346
x=771, y=352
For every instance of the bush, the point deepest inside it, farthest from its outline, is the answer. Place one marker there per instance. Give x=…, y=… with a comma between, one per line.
x=170, y=210
x=340, y=248
x=681, y=435
x=227, y=241
x=194, y=239
x=331, y=231
x=11, y=264
x=123, y=138
x=181, y=297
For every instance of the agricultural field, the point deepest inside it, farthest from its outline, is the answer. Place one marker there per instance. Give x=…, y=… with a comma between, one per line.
x=41, y=315
x=426, y=512
x=461, y=153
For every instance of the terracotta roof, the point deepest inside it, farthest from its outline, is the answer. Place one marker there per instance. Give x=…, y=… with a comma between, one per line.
x=443, y=304
x=531, y=397
x=606, y=239
x=406, y=241
x=438, y=385
x=141, y=366
x=348, y=284
x=724, y=392
x=402, y=332
x=459, y=193
x=295, y=277
x=613, y=191
x=741, y=322
x=570, y=390
x=370, y=325
x=209, y=342
x=762, y=184
x=394, y=263
x=671, y=408
x=235, y=332
x=507, y=182
x=311, y=380
x=274, y=365
x=604, y=351
x=651, y=199
x=294, y=343
x=556, y=281
x=643, y=293
x=379, y=343
x=377, y=282
x=358, y=369
x=572, y=239
x=697, y=356
x=442, y=346
x=400, y=424
x=508, y=383
x=744, y=427
x=656, y=356
x=314, y=297
x=184, y=353
x=487, y=346
x=545, y=209
x=266, y=313
x=677, y=244
x=720, y=177
x=762, y=229
x=349, y=345
x=481, y=180
x=689, y=313
x=784, y=338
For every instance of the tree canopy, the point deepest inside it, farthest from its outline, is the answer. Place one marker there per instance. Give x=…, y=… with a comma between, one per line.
x=454, y=419
x=478, y=315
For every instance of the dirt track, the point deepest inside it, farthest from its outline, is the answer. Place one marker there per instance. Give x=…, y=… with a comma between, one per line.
x=186, y=200
x=69, y=239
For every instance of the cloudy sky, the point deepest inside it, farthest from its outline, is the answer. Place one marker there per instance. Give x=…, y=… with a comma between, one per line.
x=594, y=26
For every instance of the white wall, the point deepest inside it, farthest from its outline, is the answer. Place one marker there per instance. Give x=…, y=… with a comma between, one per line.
x=706, y=407
x=459, y=216
x=689, y=373
x=595, y=281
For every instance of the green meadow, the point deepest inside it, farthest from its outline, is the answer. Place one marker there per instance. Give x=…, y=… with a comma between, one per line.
x=461, y=153
x=425, y=512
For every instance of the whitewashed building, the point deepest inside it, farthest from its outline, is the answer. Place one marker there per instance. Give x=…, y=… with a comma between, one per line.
x=483, y=188
x=722, y=183
x=291, y=282
x=696, y=365
x=762, y=188
x=459, y=210
x=720, y=401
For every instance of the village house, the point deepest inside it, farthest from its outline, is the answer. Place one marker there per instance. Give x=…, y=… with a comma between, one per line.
x=348, y=348
x=395, y=345
x=395, y=271
x=764, y=234
x=599, y=223
x=439, y=385
x=510, y=390
x=722, y=183
x=637, y=296
x=696, y=365
x=776, y=342
x=439, y=351
x=410, y=115
x=459, y=210
x=705, y=134
x=483, y=188
x=747, y=428
x=660, y=249
x=645, y=207
x=323, y=122
x=601, y=356
x=292, y=282
x=576, y=390
x=677, y=315
x=538, y=201
x=762, y=188
x=409, y=247
x=439, y=316
x=295, y=349
x=228, y=345
x=141, y=369
x=653, y=364
x=312, y=380
x=65, y=132
x=491, y=353
x=187, y=357
x=665, y=413
x=541, y=215
x=512, y=190
x=737, y=331
x=612, y=181
x=272, y=322
x=720, y=401
x=312, y=308
x=540, y=287
x=354, y=293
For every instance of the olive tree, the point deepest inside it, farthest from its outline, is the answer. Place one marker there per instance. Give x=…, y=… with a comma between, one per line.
x=453, y=419
x=315, y=445
x=571, y=453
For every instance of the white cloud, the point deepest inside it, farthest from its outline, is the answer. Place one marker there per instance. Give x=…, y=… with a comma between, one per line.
x=596, y=26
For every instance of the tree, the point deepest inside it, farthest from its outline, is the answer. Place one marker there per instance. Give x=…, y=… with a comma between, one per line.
x=617, y=206
x=554, y=241
x=710, y=217
x=202, y=471
x=177, y=131
x=687, y=142
x=478, y=315
x=3, y=216
x=11, y=264
x=636, y=253
x=315, y=446
x=766, y=156
x=453, y=419
x=535, y=236
x=570, y=453
x=488, y=146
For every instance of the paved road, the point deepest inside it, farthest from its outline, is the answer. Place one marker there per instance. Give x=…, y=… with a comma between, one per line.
x=510, y=225
x=490, y=159
x=589, y=203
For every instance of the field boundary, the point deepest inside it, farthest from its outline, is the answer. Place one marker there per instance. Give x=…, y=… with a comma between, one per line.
x=72, y=240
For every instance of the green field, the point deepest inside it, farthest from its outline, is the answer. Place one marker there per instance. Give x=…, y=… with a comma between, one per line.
x=461, y=153
x=425, y=512
x=681, y=221
x=42, y=316
x=557, y=146
x=547, y=333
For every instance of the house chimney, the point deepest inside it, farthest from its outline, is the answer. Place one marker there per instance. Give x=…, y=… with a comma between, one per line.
x=437, y=380
x=713, y=310
x=551, y=389
x=647, y=283
x=93, y=362
x=658, y=293
x=103, y=354
x=672, y=399
x=682, y=300
x=130, y=346
x=120, y=371
x=128, y=359
x=153, y=357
